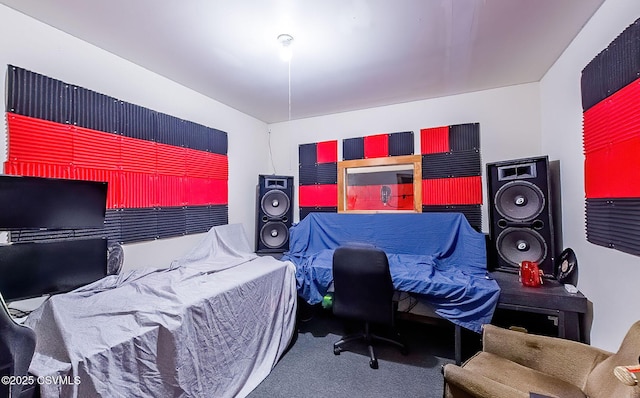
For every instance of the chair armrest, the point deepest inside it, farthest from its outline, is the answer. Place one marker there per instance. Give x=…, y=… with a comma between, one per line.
x=567, y=360
x=477, y=385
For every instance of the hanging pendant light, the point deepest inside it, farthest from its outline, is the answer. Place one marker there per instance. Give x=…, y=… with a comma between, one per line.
x=286, y=52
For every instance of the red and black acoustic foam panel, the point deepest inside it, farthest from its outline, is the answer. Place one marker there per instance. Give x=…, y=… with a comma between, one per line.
x=166, y=176
x=378, y=146
x=452, y=170
x=611, y=138
x=366, y=192
x=318, y=178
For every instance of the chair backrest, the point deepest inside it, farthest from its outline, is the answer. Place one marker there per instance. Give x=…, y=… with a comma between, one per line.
x=363, y=289
x=17, y=345
x=602, y=382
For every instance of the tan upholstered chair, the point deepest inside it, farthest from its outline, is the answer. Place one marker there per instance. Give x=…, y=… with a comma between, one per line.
x=514, y=364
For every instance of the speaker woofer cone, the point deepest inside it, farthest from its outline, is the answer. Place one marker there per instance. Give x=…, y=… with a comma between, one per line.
x=275, y=203
x=274, y=234
x=515, y=245
x=519, y=201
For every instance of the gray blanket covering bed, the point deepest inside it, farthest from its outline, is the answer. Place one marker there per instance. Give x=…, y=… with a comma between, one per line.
x=212, y=325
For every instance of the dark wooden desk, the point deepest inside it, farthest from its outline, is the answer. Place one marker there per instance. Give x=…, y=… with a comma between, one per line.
x=550, y=299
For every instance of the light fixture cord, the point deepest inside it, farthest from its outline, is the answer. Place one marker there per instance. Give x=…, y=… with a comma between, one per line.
x=289, y=84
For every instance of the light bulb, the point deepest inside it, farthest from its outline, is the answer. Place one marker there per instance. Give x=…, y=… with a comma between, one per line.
x=286, y=52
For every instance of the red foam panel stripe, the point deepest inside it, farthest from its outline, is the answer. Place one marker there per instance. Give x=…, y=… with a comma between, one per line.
x=369, y=197
x=38, y=169
x=134, y=190
x=327, y=151
x=140, y=173
x=219, y=192
x=171, y=160
x=198, y=163
x=138, y=155
x=615, y=119
x=96, y=149
x=206, y=165
x=596, y=173
x=452, y=191
x=178, y=161
x=376, y=146
x=198, y=190
x=34, y=140
x=595, y=124
x=318, y=195
x=434, y=140
x=172, y=190
x=307, y=195
x=614, y=171
x=37, y=141
x=138, y=190
x=327, y=195
x=203, y=191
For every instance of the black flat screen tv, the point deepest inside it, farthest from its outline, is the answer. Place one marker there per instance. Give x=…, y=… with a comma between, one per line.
x=51, y=203
x=34, y=269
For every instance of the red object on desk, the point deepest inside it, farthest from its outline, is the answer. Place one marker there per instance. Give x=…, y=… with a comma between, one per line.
x=530, y=274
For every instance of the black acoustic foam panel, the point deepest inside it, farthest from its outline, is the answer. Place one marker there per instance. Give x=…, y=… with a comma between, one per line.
x=304, y=211
x=451, y=164
x=401, y=144
x=307, y=154
x=34, y=95
x=613, y=68
x=353, y=148
x=464, y=137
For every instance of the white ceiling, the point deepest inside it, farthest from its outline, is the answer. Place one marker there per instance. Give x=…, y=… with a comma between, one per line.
x=348, y=54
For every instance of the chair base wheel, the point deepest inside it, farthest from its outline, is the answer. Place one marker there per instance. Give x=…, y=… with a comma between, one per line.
x=336, y=350
x=373, y=363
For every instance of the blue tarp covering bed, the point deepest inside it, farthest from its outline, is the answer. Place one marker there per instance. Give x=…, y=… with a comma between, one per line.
x=437, y=255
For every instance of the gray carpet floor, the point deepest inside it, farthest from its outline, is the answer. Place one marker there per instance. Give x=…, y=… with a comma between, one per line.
x=310, y=369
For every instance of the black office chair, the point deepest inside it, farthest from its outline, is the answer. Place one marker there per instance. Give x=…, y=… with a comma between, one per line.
x=17, y=345
x=363, y=291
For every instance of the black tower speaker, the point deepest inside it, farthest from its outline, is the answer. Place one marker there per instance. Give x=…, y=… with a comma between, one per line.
x=274, y=213
x=524, y=213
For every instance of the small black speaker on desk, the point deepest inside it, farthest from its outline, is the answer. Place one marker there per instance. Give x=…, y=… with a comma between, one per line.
x=524, y=207
x=274, y=213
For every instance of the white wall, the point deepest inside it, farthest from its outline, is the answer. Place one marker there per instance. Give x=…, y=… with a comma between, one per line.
x=509, y=120
x=40, y=48
x=609, y=278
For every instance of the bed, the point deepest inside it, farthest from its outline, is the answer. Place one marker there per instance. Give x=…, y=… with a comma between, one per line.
x=212, y=325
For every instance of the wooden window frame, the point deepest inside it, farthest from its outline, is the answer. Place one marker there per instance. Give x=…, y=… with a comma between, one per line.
x=414, y=160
